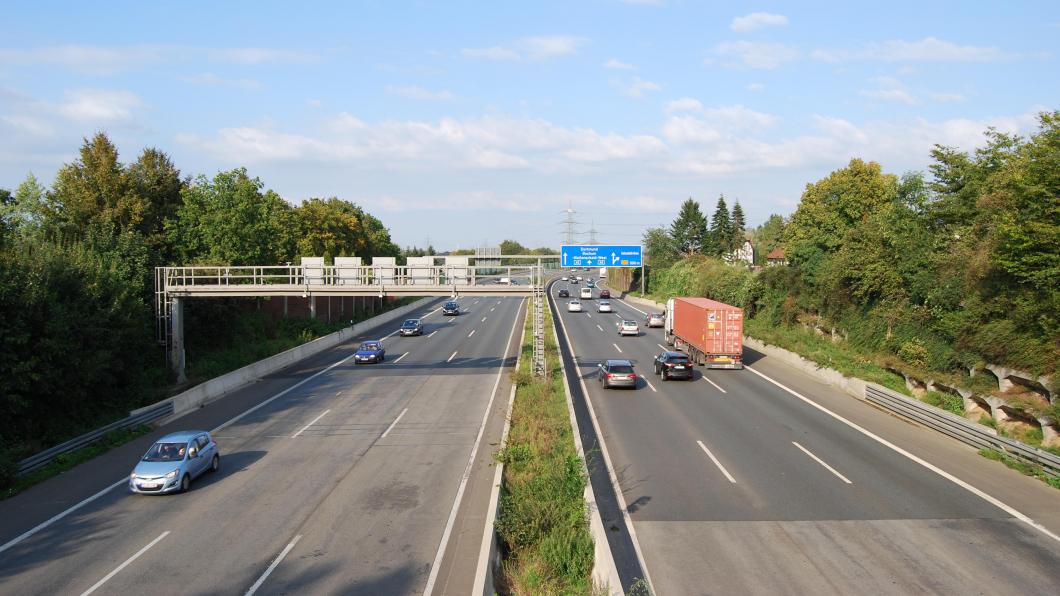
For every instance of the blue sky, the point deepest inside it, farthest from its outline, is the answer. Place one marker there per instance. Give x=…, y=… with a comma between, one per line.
x=469, y=122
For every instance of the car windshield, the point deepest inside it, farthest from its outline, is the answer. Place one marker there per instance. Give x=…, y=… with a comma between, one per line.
x=411, y=323
x=622, y=369
x=605, y=303
x=369, y=346
x=629, y=323
x=166, y=452
x=450, y=304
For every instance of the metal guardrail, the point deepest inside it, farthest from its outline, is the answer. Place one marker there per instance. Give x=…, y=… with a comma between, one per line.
x=963, y=430
x=45, y=457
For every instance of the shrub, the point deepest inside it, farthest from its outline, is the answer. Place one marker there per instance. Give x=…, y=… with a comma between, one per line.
x=913, y=353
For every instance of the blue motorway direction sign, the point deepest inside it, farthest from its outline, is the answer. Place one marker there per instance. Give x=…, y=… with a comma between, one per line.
x=600, y=255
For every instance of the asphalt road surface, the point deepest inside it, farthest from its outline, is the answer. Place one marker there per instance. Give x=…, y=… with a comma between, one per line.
x=344, y=484
x=735, y=485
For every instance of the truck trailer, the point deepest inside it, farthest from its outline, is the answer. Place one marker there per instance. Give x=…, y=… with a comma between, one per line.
x=710, y=332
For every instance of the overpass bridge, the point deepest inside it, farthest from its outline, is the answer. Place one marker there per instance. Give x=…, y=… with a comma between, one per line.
x=348, y=276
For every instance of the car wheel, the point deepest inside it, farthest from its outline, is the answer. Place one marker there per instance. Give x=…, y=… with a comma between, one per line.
x=185, y=484
x=215, y=464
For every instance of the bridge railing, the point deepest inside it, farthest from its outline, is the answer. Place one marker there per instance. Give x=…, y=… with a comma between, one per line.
x=342, y=275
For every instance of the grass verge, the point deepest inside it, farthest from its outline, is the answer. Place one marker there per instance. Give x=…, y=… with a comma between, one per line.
x=1025, y=468
x=67, y=461
x=543, y=522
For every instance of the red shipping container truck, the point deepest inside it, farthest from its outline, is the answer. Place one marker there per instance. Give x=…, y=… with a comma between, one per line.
x=710, y=332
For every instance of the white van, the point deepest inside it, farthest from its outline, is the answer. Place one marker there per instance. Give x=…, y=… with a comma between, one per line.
x=587, y=294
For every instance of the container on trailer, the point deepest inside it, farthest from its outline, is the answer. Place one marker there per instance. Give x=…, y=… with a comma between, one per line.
x=710, y=332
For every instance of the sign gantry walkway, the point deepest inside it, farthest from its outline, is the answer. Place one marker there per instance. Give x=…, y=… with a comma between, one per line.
x=420, y=276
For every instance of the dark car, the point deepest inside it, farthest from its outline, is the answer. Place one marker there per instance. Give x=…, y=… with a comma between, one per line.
x=411, y=327
x=617, y=373
x=605, y=294
x=673, y=365
x=370, y=351
x=564, y=293
x=451, y=309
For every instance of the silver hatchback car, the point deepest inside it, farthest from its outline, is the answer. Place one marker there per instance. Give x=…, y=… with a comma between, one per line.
x=174, y=461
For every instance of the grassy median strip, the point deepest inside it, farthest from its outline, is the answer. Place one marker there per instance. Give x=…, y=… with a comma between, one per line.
x=543, y=523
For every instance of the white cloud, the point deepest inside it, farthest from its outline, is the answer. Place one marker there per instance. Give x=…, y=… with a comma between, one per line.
x=542, y=48
x=615, y=64
x=757, y=20
x=889, y=89
x=949, y=97
x=685, y=104
x=756, y=87
x=529, y=48
x=109, y=60
x=757, y=55
x=97, y=106
x=929, y=49
x=212, y=80
x=419, y=93
x=637, y=88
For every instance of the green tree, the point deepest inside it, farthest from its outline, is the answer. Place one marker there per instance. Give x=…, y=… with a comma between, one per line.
x=228, y=220
x=689, y=231
x=94, y=192
x=721, y=231
x=659, y=246
x=330, y=228
x=739, y=225
x=768, y=236
x=158, y=184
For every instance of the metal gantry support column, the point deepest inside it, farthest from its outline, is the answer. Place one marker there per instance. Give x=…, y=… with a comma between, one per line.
x=176, y=352
x=539, y=321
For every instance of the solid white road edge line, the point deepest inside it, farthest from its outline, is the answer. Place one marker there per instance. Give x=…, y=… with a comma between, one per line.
x=467, y=469
x=975, y=491
x=451, y=356
x=303, y=429
x=125, y=480
x=482, y=568
x=618, y=348
x=716, y=386
x=393, y=424
x=717, y=463
x=821, y=461
x=143, y=550
x=611, y=471
x=272, y=567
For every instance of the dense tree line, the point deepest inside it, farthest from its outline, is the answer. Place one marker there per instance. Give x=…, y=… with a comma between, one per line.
x=945, y=269
x=692, y=233
x=76, y=277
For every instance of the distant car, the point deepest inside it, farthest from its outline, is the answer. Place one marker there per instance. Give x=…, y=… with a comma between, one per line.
x=574, y=306
x=573, y=282
x=655, y=319
x=506, y=281
x=579, y=278
x=174, y=461
x=369, y=351
x=451, y=309
x=586, y=294
x=628, y=327
x=604, y=306
x=564, y=278
x=617, y=373
x=673, y=365
x=564, y=293
x=411, y=327
x=605, y=293
x=590, y=284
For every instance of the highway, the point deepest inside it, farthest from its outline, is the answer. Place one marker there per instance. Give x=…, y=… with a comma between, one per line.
x=335, y=478
x=735, y=485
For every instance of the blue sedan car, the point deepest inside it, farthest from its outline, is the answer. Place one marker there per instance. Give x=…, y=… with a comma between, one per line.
x=370, y=351
x=174, y=461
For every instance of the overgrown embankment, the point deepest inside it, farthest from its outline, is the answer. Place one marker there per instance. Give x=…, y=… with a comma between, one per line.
x=543, y=523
